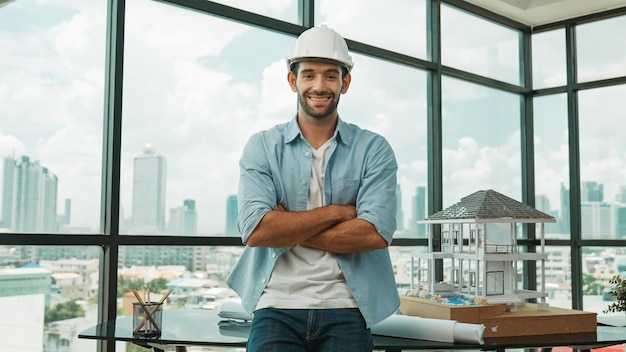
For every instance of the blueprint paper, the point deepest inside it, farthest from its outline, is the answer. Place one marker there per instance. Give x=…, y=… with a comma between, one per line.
x=440, y=330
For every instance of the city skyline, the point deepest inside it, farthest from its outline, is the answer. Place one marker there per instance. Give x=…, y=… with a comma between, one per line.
x=601, y=218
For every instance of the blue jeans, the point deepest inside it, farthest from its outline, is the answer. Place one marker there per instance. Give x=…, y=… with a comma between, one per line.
x=323, y=330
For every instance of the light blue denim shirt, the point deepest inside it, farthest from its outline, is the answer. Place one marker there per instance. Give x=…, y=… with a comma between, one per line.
x=275, y=167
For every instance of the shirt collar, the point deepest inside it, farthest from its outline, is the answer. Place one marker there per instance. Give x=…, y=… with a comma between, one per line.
x=342, y=133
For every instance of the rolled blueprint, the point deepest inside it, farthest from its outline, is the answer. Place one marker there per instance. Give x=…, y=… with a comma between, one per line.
x=440, y=330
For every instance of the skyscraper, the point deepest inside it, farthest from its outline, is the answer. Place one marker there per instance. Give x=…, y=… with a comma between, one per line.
x=149, y=180
x=231, y=215
x=183, y=219
x=542, y=203
x=591, y=191
x=620, y=197
x=7, y=192
x=399, y=212
x=596, y=220
x=418, y=212
x=29, y=198
x=620, y=221
x=565, y=210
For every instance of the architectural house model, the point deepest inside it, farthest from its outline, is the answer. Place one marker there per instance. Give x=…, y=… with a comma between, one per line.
x=479, y=251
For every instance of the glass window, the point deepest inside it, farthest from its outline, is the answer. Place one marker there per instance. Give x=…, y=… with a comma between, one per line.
x=603, y=163
x=601, y=59
x=481, y=141
x=51, y=93
x=549, y=66
x=400, y=27
x=49, y=294
x=398, y=112
x=191, y=101
x=552, y=163
x=194, y=276
x=406, y=269
x=599, y=265
x=476, y=45
x=558, y=272
x=286, y=10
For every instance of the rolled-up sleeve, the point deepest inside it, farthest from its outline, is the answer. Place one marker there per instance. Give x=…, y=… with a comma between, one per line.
x=257, y=192
x=376, y=200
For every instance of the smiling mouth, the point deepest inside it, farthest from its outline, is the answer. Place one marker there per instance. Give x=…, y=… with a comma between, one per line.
x=319, y=99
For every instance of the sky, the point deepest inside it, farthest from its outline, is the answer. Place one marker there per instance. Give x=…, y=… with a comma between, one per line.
x=197, y=86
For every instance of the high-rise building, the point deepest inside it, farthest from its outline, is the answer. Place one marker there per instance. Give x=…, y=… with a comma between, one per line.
x=418, y=212
x=620, y=197
x=29, y=198
x=231, y=216
x=596, y=220
x=191, y=217
x=7, y=192
x=565, y=211
x=184, y=219
x=591, y=191
x=399, y=212
x=620, y=221
x=149, y=179
x=542, y=203
x=24, y=294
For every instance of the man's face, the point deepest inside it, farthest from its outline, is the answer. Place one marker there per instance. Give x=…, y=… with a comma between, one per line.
x=319, y=85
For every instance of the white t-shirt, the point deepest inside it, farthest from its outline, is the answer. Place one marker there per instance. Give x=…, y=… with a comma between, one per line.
x=308, y=278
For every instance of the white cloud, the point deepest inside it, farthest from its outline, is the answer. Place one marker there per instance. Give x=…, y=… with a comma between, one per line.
x=74, y=154
x=11, y=146
x=471, y=167
x=400, y=27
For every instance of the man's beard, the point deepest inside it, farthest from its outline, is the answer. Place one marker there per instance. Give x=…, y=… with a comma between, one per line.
x=303, y=101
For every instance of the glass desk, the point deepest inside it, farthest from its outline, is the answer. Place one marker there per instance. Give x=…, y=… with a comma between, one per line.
x=198, y=327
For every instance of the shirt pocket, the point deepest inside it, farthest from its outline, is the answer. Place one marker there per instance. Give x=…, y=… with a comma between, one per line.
x=345, y=191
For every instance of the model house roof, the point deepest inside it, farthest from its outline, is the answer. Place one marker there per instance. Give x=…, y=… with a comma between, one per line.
x=489, y=206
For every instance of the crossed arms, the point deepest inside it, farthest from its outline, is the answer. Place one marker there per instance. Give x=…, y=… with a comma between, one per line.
x=334, y=228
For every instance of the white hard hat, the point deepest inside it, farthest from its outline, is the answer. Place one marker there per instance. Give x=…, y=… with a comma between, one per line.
x=321, y=43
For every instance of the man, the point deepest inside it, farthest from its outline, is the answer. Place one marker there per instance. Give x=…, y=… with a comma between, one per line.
x=317, y=206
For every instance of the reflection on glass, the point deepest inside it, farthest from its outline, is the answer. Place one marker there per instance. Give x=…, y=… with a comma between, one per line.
x=399, y=26
x=481, y=141
x=552, y=163
x=398, y=112
x=549, y=67
x=48, y=294
x=600, y=59
x=487, y=49
x=603, y=163
x=599, y=265
x=51, y=94
x=196, y=87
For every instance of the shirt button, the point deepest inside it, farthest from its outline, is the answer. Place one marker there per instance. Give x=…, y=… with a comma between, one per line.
x=273, y=255
x=303, y=182
x=263, y=280
x=307, y=154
